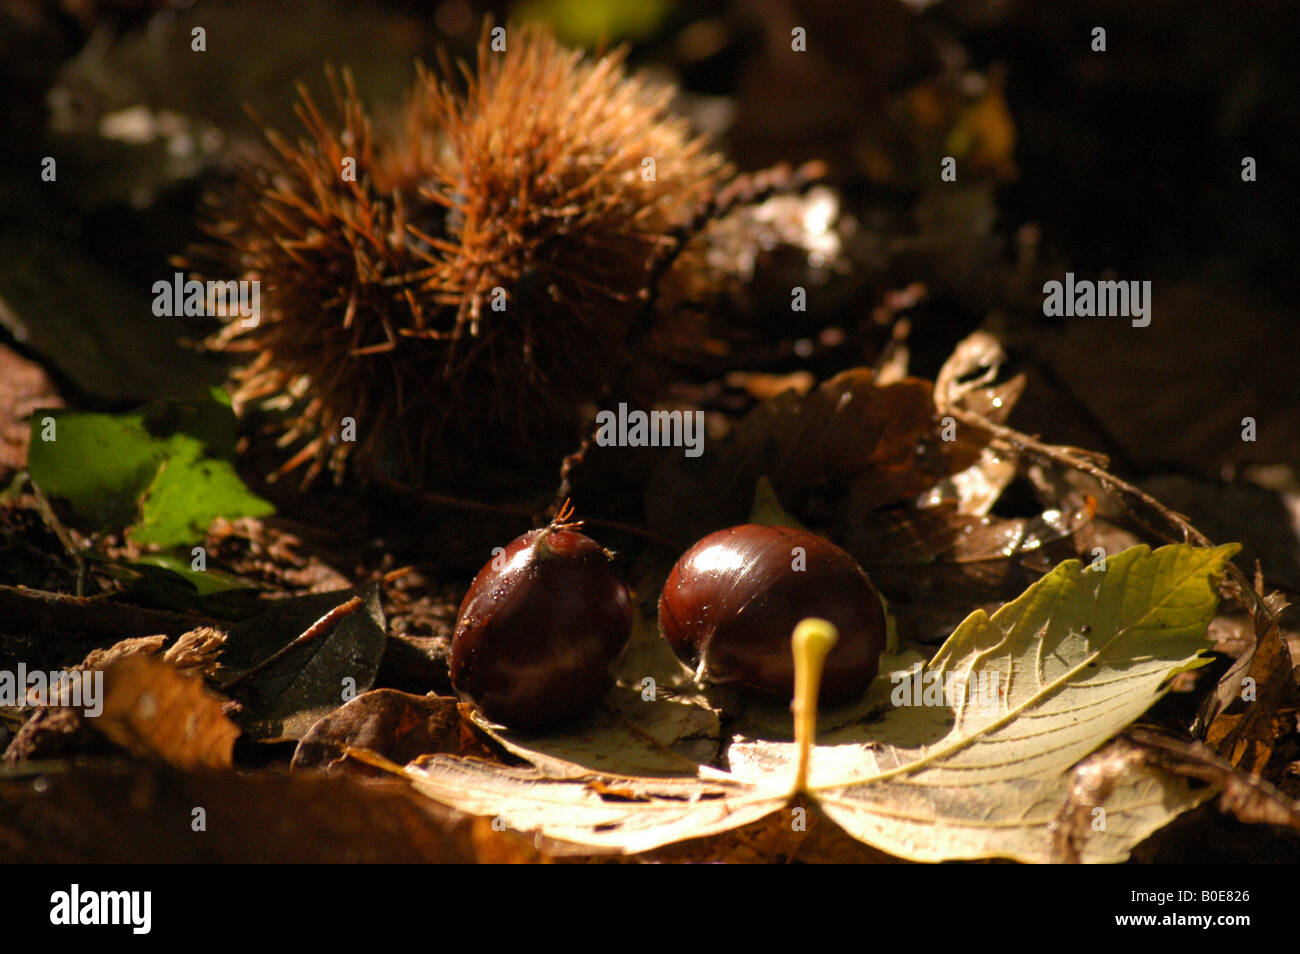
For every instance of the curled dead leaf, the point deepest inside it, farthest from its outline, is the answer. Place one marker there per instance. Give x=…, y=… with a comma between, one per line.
x=881, y=444
x=58, y=728
x=1238, y=718
x=397, y=725
x=154, y=710
x=1250, y=798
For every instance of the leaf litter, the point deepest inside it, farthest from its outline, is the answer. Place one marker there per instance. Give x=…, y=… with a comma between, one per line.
x=1074, y=659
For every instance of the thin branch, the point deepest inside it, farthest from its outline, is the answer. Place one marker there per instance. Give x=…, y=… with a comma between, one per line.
x=512, y=510
x=1238, y=587
x=42, y=612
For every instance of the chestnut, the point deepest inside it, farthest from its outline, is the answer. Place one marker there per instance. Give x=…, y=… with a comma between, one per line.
x=540, y=628
x=733, y=599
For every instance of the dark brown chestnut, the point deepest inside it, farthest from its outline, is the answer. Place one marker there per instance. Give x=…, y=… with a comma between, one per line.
x=732, y=601
x=539, y=629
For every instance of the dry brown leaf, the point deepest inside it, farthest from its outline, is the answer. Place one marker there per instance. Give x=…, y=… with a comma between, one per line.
x=397, y=725
x=154, y=710
x=880, y=444
x=1249, y=797
x=1247, y=736
x=935, y=565
x=110, y=813
x=56, y=730
x=197, y=651
x=136, y=645
x=969, y=378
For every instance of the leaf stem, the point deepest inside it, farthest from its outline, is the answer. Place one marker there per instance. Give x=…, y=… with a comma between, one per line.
x=813, y=639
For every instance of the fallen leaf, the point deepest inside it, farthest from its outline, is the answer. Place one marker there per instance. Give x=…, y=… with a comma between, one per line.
x=1073, y=660
x=54, y=730
x=880, y=444
x=968, y=378
x=1250, y=798
x=1035, y=688
x=197, y=651
x=934, y=564
x=110, y=814
x=397, y=725
x=163, y=471
x=284, y=700
x=565, y=807
x=154, y=710
x=1234, y=636
x=1244, y=728
x=1118, y=780
x=627, y=735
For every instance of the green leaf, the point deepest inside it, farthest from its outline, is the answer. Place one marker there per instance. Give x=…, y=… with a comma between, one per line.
x=163, y=471
x=208, y=420
x=203, y=581
x=592, y=22
x=187, y=493
x=98, y=463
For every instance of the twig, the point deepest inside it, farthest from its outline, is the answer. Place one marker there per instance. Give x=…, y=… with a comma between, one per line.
x=444, y=500
x=39, y=611
x=1238, y=587
x=510, y=510
x=52, y=521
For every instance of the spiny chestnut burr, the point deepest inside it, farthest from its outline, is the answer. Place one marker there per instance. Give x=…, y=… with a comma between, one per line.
x=461, y=282
x=540, y=628
x=733, y=599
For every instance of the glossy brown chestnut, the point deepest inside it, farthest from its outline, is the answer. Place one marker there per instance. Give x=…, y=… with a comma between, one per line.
x=734, y=598
x=539, y=629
